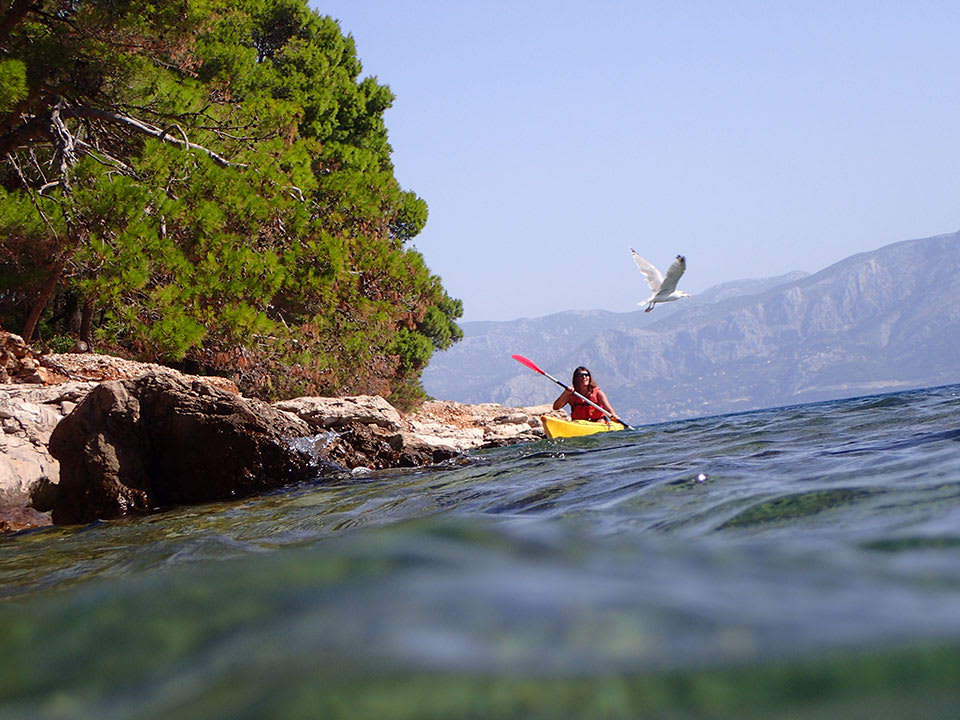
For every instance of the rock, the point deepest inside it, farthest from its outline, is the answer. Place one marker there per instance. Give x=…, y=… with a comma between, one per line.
x=36, y=392
x=90, y=366
x=141, y=436
x=438, y=428
x=18, y=362
x=16, y=518
x=13, y=346
x=369, y=432
x=360, y=445
x=28, y=414
x=466, y=427
x=158, y=440
x=324, y=413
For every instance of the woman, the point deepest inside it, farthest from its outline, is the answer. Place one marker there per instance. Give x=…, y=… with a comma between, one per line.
x=580, y=410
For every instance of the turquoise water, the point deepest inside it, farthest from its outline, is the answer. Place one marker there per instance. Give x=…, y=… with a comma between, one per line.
x=798, y=562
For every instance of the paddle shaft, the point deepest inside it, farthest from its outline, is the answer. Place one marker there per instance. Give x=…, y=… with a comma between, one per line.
x=533, y=366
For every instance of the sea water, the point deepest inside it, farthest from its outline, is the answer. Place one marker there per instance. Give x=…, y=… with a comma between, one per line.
x=798, y=562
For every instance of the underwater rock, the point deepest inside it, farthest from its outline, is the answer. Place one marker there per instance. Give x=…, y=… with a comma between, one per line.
x=19, y=517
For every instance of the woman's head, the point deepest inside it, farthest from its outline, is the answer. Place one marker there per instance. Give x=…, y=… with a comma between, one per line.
x=581, y=374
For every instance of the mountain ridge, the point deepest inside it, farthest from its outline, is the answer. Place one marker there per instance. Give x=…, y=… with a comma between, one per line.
x=879, y=320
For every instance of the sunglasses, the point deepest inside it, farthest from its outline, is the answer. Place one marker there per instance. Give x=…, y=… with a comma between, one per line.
x=583, y=374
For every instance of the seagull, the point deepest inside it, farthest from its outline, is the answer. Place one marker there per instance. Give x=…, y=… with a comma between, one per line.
x=664, y=289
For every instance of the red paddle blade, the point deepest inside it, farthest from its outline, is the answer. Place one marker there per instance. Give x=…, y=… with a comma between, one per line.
x=529, y=363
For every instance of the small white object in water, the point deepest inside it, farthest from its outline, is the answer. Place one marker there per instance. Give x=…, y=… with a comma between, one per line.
x=664, y=289
x=701, y=477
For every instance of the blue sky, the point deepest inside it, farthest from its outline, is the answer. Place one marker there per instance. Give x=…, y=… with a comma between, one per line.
x=755, y=138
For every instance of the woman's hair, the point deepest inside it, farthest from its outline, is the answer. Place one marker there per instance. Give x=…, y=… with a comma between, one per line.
x=590, y=385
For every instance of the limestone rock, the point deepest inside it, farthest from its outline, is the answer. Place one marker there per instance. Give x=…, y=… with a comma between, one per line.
x=93, y=367
x=323, y=413
x=28, y=414
x=17, y=361
x=370, y=432
x=36, y=392
x=467, y=427
x=369, y=446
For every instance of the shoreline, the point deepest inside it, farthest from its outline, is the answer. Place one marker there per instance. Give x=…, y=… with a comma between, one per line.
x=38, y=391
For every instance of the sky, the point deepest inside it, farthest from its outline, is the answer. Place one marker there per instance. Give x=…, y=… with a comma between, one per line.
x=753, y=137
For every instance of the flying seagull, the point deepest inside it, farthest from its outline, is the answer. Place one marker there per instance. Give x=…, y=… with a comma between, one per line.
x=664, y=289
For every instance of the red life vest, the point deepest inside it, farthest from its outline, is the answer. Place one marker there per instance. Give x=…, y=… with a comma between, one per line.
x=580, y=410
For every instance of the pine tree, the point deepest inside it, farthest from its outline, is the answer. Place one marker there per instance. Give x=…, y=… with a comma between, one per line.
x=209, y=184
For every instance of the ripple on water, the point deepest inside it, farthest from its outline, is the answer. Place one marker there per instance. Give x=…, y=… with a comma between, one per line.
x=739, y=539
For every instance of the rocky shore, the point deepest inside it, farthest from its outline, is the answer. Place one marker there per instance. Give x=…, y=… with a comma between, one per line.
x=86, y=437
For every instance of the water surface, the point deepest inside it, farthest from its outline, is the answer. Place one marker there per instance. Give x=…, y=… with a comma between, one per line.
x=793, y=562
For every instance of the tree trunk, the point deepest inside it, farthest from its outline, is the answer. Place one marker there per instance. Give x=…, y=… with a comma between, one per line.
x=86, y=321
x=46, y=292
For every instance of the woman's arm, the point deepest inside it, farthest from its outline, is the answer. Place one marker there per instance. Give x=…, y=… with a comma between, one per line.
x=605, y=404
x=563, y=399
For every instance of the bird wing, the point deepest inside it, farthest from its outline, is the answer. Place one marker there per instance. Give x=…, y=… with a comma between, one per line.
x=654, y=278
x=673, y=275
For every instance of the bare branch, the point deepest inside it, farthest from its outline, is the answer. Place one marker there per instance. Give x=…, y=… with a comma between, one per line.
x=50, y=127
x=150, y=130
x=63, y=140
x=37, y=166
x=111, y=161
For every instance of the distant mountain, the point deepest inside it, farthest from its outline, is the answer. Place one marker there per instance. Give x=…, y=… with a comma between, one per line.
x=877, y=321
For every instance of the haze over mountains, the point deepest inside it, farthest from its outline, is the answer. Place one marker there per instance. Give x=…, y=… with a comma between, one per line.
x=875, y=322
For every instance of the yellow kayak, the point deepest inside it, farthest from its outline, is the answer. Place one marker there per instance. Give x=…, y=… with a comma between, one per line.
x=555, y=427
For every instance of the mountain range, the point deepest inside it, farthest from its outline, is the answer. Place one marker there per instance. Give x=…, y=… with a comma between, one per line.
x=875, y=322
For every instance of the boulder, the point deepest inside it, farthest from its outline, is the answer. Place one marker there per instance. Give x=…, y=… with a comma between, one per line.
x=323, y=413
x=17, y=360
x=367, y=446
x=159, y=439
x=28, y=414
x=367, y=431
x=466, y=427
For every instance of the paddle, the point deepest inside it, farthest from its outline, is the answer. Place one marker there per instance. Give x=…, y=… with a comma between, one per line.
x=533, y=366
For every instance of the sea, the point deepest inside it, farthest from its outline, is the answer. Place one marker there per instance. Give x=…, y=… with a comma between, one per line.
x=796, y=562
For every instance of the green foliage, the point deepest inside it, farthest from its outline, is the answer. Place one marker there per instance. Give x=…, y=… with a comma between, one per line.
x=412, y=348
x=270, y=249
x=13, y=84
x=411, y=217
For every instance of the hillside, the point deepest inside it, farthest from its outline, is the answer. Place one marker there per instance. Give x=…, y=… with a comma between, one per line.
x=882, y=320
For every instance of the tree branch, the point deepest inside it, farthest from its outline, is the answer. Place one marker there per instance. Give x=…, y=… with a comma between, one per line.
x=111, y=161
x=49, y=127
x=145, y=129
x=63, y=140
